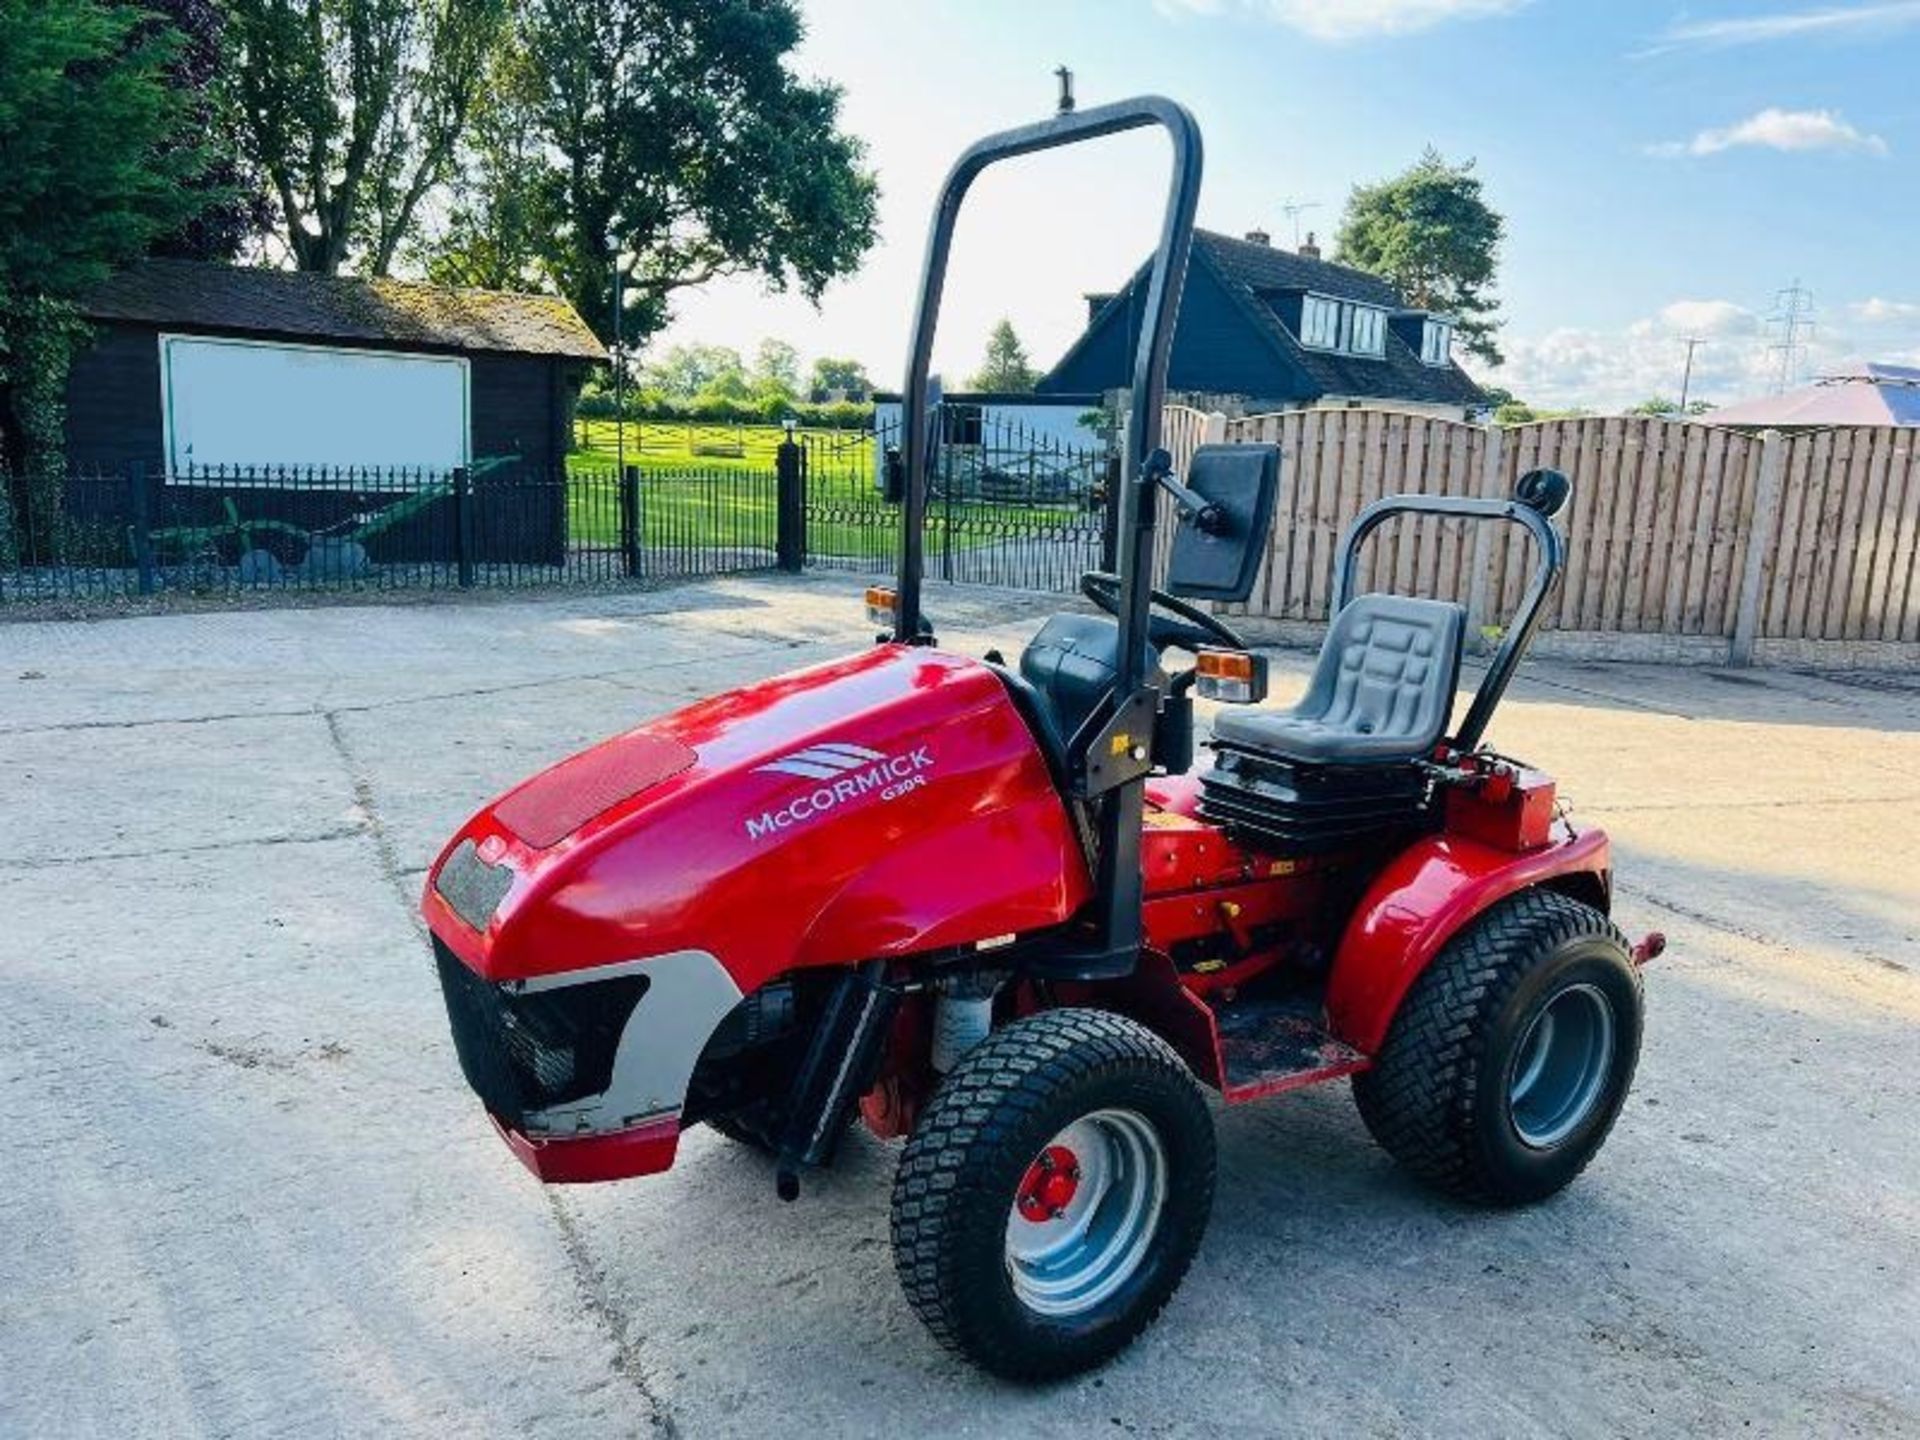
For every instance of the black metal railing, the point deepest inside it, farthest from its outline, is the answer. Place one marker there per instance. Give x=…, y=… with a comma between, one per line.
x=142, y=531
x=1010, y=505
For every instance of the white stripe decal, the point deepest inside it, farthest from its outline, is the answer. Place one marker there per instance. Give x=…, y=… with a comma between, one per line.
x=820, y=755
x=857, y=750
x=800, y=767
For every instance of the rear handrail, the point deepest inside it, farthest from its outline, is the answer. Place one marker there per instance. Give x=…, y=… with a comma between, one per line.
x=1550, y=562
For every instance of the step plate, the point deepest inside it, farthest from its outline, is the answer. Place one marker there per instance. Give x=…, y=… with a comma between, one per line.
x=1269, y=1046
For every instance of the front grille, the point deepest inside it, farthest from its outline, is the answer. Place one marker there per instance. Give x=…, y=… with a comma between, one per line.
x=527, y=1052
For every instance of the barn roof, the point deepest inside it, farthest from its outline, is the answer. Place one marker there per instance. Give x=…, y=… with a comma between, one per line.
x=1870, y=394
x=233, y=299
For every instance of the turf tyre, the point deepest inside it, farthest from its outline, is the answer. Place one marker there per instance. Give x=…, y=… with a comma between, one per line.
x=954, y=1191
x=1438, y=1097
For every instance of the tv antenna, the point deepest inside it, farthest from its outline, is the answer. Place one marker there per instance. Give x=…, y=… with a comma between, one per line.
x=1065, y=77
x=1293, y=210
x=1791, y=320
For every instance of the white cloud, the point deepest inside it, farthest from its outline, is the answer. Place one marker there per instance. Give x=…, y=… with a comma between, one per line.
x=1877, y=312
x=1608, y=370
x=1708, y=318
x=1339, y=20
x=1777, y=129
x=1830, y=21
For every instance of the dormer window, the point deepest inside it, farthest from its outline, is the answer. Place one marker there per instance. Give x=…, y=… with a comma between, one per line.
x=1320, y=323
x=1329, y=324
x=1436, y=341
x=1366, y=330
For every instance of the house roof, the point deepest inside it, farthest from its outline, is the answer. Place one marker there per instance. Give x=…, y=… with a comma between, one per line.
x=1870, y=394
x=1254, y=274
x=233, y=299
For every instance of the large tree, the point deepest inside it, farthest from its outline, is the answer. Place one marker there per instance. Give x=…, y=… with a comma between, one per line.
x=671, y=140
x=1006, y=367
x=686, y=370
x=352, y=110
x=236, y=207
x=834, y=376
x=1430, y=231
x=97, y=161
x=496, y=233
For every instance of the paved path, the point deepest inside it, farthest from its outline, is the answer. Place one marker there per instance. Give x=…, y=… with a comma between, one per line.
x=246, y=1192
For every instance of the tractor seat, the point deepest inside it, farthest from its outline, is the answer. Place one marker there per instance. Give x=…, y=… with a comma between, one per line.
x=1382, y=690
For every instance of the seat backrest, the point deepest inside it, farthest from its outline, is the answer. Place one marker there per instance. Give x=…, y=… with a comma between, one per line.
x=1388, y=670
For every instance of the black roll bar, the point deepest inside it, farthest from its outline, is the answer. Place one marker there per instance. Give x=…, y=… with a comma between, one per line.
x=1150, y=359
x=1118, y=881
x=1550, y=561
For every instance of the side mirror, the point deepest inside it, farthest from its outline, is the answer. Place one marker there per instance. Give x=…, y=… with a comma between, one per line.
x=1543, y=490
x=1220, y=558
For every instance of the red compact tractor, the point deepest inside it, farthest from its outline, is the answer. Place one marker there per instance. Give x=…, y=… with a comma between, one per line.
x=990, y=908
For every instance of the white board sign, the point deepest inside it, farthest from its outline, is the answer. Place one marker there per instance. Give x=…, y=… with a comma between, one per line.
x=252, y=403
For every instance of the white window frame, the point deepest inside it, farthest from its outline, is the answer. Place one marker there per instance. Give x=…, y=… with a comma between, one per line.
x=185, y=476
x=1320, y=308
x=1436, y=343
x=1379, y=327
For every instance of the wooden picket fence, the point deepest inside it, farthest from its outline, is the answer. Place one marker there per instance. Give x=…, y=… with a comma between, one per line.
x=1683, y=538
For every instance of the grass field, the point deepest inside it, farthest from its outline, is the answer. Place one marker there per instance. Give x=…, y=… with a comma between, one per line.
x=715, y=447
x=693, y=497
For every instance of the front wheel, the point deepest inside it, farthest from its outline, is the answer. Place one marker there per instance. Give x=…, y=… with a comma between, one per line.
x=1053, y=1196
x=1511, y=1056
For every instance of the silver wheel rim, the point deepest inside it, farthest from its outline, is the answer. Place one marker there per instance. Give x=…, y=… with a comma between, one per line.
x=1561, y=1065
x=1073, y=1239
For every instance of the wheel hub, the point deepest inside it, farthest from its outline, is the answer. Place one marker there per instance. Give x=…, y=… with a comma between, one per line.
x=1049, y=1185
x=1086, y=1211
x=1561, y=1065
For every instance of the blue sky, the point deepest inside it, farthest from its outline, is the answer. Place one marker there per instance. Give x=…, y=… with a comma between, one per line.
x=1664, y=171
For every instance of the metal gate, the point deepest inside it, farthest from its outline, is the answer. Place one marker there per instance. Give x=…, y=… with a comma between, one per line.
x=1007, y=504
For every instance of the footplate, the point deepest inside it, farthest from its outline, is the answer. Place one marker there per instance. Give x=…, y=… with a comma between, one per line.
x=1268, y=1046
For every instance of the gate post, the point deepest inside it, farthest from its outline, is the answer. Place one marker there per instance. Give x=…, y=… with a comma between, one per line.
x=1766, y=509
x=462, y=527
x=630, y=520
x=1110, y=517
x=790, y=506
x=141, y=504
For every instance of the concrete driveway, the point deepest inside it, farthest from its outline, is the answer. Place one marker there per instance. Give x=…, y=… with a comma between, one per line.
x=245, y=1191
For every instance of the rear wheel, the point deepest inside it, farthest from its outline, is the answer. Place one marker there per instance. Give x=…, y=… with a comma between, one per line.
x=1053, y=1196
x=1512, y=1055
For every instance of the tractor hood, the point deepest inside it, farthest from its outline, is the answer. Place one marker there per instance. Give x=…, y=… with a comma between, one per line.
x=885, y=804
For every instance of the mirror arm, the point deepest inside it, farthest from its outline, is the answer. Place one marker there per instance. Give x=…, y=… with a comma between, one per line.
x=1208, y=517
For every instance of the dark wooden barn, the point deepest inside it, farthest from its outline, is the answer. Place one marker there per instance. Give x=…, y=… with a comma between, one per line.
x=306, y=400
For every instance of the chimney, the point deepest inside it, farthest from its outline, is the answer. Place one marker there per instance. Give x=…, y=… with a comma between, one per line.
x=1096, y=302
x=1258, y=236
x=1309, y=250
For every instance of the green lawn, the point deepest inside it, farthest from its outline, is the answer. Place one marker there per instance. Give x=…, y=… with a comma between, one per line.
x=715, y=447
x=712, y=486
x=712, y=507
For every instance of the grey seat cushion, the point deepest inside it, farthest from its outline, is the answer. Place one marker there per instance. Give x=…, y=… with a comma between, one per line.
x=1382, y=691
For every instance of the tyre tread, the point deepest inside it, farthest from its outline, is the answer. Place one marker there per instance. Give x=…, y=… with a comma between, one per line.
x=941, y=1186
x=1419, y=1097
